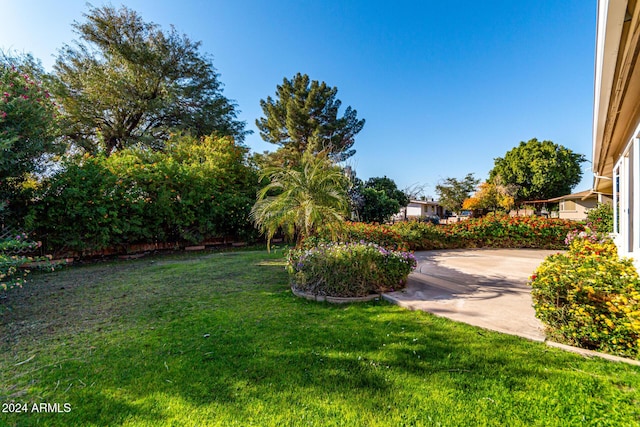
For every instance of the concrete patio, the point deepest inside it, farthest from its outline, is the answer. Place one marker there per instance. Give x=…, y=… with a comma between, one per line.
x=482, y=287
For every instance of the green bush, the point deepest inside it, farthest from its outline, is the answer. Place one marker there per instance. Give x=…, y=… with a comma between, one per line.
x=348, y=269
x=193, y=190
x=600, y=218
x=418, y=235
x=590, y=298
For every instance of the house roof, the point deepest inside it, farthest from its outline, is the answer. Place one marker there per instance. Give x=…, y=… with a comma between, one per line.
x=582, y=195
x=424, y=202
x=617, y=86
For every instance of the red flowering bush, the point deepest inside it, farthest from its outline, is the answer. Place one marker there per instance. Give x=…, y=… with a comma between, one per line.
x=512, y=232
x=380, y=234
x=491, y=231
x=27, y=121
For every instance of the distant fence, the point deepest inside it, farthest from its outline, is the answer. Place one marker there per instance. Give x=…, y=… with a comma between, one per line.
x=8, y=233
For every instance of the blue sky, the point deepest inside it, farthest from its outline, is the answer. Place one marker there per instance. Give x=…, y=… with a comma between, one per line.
x=445, y=87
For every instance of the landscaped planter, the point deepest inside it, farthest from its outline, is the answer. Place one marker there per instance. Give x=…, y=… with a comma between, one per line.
x=348, y=270
x=334, y=300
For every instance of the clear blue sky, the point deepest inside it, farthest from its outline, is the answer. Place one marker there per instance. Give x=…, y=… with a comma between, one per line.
x=445, y=87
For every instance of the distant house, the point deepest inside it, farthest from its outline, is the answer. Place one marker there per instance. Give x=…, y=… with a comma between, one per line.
x=575, y=206
x=616, y=119
x=419, y=209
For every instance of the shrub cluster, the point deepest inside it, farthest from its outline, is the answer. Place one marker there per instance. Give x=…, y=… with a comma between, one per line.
x=590, y=298
x=348, y=269
x=193, y=190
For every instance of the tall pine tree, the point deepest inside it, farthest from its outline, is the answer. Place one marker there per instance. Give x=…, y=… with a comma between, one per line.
x=303, y=117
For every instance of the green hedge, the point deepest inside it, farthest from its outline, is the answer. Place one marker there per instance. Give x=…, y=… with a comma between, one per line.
x=193, y=190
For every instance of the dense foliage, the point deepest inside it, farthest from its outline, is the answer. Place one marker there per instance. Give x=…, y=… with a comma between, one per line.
x=381, y=234
x=197, y=188
x=381, y=200
x=303, y=116
x=589, y=297
x=348, y=269
x=539, y=170
x=127, y=83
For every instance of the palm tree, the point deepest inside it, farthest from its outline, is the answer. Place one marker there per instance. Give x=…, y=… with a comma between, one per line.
x=301, y=200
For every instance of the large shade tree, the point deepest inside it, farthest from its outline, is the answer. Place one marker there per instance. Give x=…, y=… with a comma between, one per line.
x=382, y=199
x=452, y=192
x=539, y=170
x=126, y=82
x=304, y=116
x=301, y=200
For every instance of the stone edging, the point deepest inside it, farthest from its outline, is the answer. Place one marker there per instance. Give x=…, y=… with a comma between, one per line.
x=334, y=300
x=590, y=353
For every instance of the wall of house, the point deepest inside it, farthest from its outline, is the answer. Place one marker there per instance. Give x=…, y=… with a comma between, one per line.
x=419, y=210
x=414, y=211
x=576, y=209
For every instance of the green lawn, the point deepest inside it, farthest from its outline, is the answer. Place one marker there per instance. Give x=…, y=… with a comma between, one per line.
x=218, y=339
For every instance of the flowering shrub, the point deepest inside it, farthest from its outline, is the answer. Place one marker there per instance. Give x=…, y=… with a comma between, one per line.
x=586, y=234
x=27, y=119
x=348, y=269
x=590, y=298
x=17, y=244
x=418, y=235
x=28, y=130
x=10, y=273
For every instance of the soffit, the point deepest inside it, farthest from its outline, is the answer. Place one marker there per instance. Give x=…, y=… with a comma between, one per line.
x=624, y=106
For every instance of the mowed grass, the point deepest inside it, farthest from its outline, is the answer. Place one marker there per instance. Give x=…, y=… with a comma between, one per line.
x=218, y=339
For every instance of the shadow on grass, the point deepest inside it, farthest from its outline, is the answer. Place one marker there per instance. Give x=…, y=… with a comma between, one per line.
x=223, y=341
